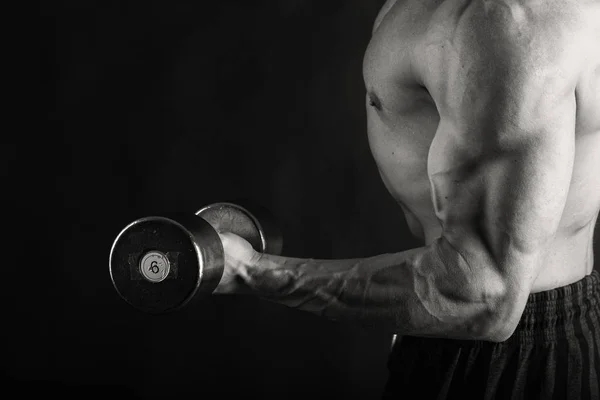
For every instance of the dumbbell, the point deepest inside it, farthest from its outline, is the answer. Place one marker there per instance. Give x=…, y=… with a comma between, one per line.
x=159, y=264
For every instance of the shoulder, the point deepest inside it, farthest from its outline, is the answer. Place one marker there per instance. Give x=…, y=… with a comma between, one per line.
x=383, y=11
x=503, y=40
x=503, y=27
x=530, y=31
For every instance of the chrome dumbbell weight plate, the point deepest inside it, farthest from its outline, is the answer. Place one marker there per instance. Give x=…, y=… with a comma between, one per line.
x=257, y=227
x=161, y=263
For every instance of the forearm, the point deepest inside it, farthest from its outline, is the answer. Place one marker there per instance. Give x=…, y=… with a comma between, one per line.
x=428, y=291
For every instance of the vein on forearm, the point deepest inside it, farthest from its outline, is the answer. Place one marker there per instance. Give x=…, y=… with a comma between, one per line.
x=413, y=292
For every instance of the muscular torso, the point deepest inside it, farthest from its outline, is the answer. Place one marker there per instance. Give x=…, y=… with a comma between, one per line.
x=403, y=118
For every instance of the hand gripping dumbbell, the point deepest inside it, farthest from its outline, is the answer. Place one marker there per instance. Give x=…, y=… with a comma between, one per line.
x=161, y=263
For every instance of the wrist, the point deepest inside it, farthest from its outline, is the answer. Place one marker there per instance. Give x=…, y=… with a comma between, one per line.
x=261, y=275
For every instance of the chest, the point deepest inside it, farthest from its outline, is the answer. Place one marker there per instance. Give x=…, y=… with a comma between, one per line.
x=402, y=118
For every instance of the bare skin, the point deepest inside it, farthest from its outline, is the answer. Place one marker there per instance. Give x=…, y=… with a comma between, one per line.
x=484, y=121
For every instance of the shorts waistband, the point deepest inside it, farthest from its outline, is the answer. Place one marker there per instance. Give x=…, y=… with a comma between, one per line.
x=559, y=312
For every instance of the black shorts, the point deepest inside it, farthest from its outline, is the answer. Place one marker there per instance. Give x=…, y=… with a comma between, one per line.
x=553, y=354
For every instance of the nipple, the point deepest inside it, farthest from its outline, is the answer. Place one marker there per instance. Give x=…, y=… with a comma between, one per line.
x=374, y=101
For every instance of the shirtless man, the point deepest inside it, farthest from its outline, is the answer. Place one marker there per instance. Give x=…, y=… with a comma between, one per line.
x=484, y=121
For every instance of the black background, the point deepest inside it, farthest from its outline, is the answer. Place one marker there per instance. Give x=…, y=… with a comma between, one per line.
x=158, y=106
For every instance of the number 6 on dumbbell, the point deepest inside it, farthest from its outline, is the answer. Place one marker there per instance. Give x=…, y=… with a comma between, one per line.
x=159, y=264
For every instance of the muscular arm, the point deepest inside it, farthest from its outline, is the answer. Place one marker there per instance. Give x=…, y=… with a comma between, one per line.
x=499, y=167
